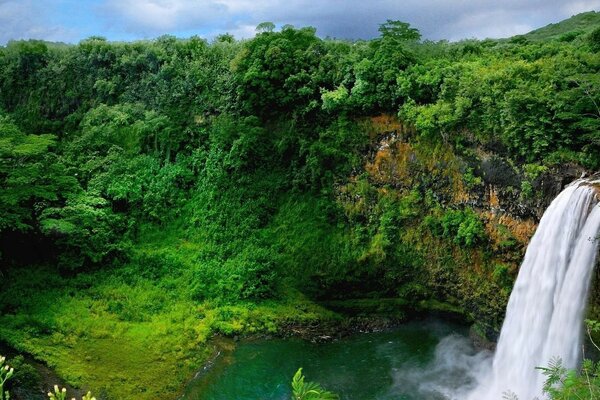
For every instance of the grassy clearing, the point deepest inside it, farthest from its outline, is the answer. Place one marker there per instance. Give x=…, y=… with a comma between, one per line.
x=132, y=332
x=129, y=340
x=141, y=330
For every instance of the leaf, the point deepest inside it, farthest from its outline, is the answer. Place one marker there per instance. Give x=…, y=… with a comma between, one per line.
x=302, y=390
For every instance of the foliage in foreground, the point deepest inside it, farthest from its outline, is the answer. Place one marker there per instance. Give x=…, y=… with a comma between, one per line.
x=6, y=372
x=61, y=394
x=569, y=384
x=302, y=390
x=564, y=384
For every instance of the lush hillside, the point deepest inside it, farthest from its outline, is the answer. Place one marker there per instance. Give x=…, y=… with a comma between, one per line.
x=567, y=29
x=158, y=192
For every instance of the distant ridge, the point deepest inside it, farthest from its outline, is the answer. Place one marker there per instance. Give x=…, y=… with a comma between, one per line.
x=578, y=24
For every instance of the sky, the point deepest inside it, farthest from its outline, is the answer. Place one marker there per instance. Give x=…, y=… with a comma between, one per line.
x=73, y=20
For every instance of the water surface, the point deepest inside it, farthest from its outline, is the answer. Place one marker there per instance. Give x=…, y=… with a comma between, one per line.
x=402, y=364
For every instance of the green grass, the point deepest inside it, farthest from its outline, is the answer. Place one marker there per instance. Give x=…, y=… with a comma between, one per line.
x=130, y=340
x=138, y=331
x=90, y=344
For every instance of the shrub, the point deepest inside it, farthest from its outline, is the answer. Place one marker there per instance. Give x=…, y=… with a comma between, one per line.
x=594, y=39
x=462, y=226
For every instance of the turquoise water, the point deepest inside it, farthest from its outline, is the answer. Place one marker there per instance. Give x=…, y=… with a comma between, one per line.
x=400, y=365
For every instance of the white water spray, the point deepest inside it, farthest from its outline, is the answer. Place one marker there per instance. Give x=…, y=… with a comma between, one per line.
x=546, y=307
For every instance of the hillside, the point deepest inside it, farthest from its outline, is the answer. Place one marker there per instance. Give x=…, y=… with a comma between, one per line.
x=579, y=24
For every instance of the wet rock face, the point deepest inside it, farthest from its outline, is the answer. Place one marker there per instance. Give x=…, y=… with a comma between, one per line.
x=497, y=172
x=395, y=161
x=548, y=185
x=506, y=182
x=508, y=196
x=551, y=183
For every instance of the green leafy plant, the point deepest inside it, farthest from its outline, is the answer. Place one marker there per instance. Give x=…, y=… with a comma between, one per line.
x=61, y=394
x=302, y=390
x=565, y=384
x=464, y=227
x=6, y=372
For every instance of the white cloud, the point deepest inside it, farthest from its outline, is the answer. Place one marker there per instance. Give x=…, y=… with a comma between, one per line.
x=242, y=31
x=136, y=19
x=437, y=19
x=24, y=19
x=488, y=24
x=576, y=7
x=162, y=16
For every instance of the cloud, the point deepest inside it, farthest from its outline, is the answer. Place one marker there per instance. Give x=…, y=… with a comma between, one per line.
x=24, y=19
x=437, y=19
x=72, y=20
x=156, y=17
x=576, y=7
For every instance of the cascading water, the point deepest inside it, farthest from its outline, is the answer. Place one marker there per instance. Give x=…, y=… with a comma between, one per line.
x=545, y=310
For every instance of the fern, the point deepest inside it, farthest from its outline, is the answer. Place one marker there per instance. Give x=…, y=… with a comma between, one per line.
x=565, y=384
x=302, y=390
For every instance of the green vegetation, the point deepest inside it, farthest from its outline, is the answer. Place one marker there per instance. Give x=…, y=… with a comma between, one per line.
x=563, y=384
x=157, y=193
x=566, y=384
x=302, y=390
x=568, y=29
x=6, y=372
x=61, y=394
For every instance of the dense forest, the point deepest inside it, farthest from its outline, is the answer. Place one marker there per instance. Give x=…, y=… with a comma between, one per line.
x=155, y=193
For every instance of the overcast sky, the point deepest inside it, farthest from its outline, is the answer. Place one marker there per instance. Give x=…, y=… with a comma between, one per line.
x=73, y=20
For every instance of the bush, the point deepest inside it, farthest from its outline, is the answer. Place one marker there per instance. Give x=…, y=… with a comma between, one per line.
x=594, y=39
x=462, y=226
x=250, y=275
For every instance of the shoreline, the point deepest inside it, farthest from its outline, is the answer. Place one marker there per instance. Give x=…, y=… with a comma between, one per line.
x=326, y=330
x=342, y=319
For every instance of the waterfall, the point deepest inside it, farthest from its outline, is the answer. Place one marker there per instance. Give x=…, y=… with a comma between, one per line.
x=546, y=307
